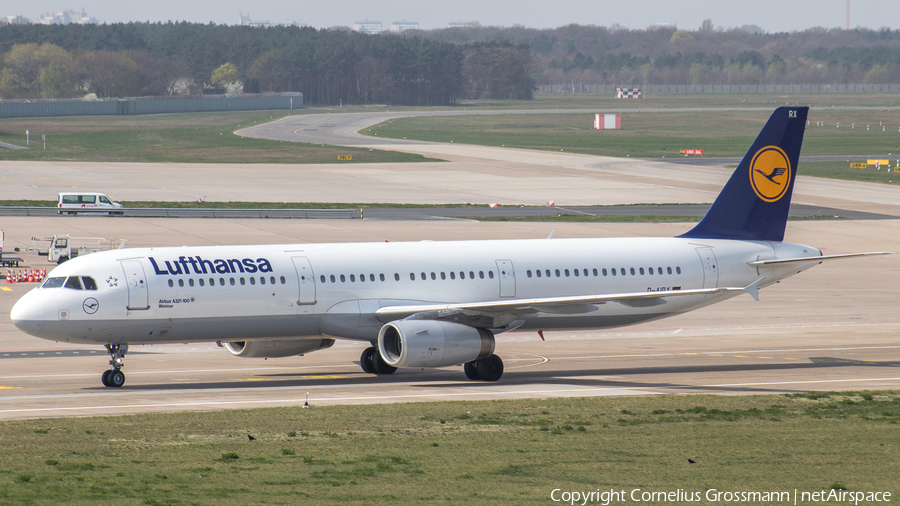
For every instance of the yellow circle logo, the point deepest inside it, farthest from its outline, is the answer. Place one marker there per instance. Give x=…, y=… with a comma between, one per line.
x=770, y=173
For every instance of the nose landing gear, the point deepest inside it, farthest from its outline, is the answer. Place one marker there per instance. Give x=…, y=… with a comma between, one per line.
x=114, y=377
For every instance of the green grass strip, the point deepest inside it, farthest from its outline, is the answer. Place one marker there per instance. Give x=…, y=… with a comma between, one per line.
x=488, y=452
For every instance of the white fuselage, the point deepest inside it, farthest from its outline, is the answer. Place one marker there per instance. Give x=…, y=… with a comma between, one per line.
x=238, y=293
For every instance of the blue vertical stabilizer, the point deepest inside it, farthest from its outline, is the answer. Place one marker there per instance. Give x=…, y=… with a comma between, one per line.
x=754, y=203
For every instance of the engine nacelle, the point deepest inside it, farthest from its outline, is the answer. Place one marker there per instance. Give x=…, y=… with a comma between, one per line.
x=432, y=343
x=277, y=348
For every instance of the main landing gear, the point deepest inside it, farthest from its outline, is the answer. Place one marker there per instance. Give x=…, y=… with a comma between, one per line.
x=372, y=363
x=114, y=377
x=486, y=369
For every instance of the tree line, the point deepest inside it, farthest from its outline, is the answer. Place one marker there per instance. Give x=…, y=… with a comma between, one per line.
x=587, y=54
x=328, y=66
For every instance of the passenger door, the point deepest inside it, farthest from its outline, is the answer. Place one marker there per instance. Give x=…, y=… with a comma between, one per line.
x=138, y=295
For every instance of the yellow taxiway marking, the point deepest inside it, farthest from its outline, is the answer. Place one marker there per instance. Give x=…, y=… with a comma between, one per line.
x=324, y=376
x=5, y=288
x=544, y=360
x=766, y=357
x=715, y=355
x=740, y=356
x=6, y=388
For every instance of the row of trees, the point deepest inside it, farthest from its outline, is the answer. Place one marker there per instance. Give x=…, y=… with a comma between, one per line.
x=745, y=55
x=328, y=66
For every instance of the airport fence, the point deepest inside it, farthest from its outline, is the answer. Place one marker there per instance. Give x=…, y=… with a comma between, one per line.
x=722, y=88
x=148, y=105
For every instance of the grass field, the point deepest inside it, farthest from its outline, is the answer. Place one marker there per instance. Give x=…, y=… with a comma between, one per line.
x=186, y=138
x=655, y=134
x=488, y=452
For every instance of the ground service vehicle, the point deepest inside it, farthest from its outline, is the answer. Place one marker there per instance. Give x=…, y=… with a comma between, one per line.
x=75, y=202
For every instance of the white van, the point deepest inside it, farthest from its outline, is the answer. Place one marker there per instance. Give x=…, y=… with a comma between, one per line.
x=73, y=202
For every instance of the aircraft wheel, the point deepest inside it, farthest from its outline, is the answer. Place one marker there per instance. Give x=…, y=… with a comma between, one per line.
x=490, y=368
x=116, y=378
x=380, y=366
x=105, y=378
x=471, y=370
x=367, y=360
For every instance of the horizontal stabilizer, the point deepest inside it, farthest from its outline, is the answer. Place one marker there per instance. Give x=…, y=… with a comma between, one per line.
x=783, y=261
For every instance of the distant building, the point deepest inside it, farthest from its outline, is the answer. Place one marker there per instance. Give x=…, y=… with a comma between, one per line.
x=246, y=21
x=658, y=26
x=463, y=24
x=372, y=27
x=67, y=18
x=402, y=26
x=14, y=20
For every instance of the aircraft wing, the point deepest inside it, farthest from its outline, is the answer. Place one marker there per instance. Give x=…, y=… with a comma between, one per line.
x=783, y=261
x=508, y=310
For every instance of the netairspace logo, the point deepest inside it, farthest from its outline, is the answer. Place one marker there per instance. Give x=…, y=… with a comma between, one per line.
x=607, y=497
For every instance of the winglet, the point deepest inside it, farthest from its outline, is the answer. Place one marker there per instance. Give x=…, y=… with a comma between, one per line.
x=753, y=289
x=551, y=234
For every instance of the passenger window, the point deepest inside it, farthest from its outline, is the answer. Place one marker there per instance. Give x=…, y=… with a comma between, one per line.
x=412, y=277
x=462, y=275
x=396, y=276
x=171, y=283
x=104, y=200
x=343, y=279
x=576, y=272
x=181, y=283
x=452, y=275
x=659, y=270
x=481, y=274
x=613, y=272
x=669, y=270
x=262, y=280
x=443, y=275
x=372, y=277
x=632, y=271
x=678, y=270
x=642, y=271
x=622, y=271
x=604, y=271
x=352, y=278
x=381, y=276
x=491, y=274
x=471, y=275
x=567, y=272
x=252, y=280
x=528, y=273
x=221, y=281
x=332, y=278
x=54, y=283
x=89, y=283
x=73, y=283
x=191, y=282
x=595, y=272
x=232, y=281
x=321, y=278
x=433, y=276
x=423, y=276
x=362, y=278
x=201, y=281
x=650, y=271
x=243, y=281
x=538, y=272
x=557, y=272
x=547, y=272
x=585, y=272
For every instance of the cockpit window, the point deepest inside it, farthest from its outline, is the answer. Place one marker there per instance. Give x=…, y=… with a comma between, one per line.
x=54, y=283
x=74, y=283
x=89, y=283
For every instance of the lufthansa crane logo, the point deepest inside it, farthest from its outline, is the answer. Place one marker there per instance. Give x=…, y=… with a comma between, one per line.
x=770, y=173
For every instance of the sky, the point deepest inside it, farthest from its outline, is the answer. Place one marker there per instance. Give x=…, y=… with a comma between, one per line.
x=771, y=15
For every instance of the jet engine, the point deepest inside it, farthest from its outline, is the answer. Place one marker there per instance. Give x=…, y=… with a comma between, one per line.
x=432, y=343
x=277, y=348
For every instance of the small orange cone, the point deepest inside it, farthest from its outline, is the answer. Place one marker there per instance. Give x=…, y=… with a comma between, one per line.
x=8, y=276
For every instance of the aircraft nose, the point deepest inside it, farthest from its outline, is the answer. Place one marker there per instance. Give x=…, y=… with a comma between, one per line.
x=28, y=314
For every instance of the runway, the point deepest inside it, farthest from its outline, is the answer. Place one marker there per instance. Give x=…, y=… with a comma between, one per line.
x=832, y=328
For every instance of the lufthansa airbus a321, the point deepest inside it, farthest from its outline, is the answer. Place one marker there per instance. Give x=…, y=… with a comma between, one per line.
x=429, y=304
